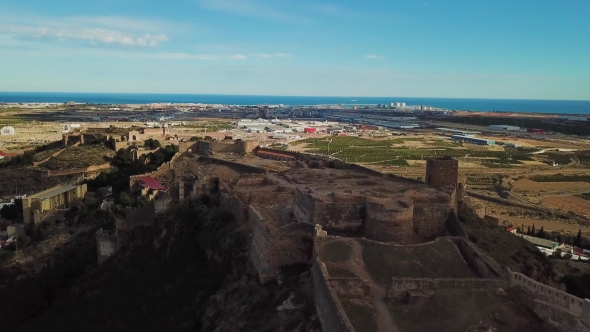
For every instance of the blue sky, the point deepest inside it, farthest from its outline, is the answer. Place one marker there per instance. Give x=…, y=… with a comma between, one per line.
x=455, y=48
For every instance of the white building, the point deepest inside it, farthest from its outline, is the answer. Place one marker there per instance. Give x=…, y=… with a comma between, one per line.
x=8, y=130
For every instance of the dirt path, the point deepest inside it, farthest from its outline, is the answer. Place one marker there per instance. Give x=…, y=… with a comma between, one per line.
x=385, y=322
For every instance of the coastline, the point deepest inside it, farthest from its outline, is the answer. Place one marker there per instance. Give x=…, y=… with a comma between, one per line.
x=472, y=105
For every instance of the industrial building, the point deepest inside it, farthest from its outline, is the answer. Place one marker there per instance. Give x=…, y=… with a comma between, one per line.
x=459, y=131
x=472, y=140
x=543, y=243
x=503, y=127
x=40, y=205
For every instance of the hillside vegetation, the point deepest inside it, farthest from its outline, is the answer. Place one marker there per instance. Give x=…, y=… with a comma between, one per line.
x=79, y=157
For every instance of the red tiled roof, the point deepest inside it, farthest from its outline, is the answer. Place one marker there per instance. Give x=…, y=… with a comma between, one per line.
x=3, y=154
x=151, y=183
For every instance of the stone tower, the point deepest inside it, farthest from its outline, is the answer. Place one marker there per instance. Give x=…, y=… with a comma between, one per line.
x=442, y=171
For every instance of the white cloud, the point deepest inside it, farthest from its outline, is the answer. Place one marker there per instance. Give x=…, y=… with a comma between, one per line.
x=251, y=8
x=91, y=36
x=268, y=56
x=205, y=57
x=373, y=57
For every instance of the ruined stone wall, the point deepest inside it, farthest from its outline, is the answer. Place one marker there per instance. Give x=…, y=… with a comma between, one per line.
x=455, y=227
x=292, y=244
x=430, y=219
x=238, y=167
x=440, y=172
x=230, y=203
x=351, y=287
x=303, y=205
x=387, y=224
x=548, y=294
x=31, y=173
x=485, y=266
x=260, y=252
x=345, y=212
x=399, y=286
x=329, y=308
x=563, y=320
x=106, y=245
x=144, y=215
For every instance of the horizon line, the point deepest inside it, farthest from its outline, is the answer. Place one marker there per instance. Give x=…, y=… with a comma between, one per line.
x=279, y=95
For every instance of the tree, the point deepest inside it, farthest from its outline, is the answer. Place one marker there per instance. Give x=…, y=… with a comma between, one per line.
x=152, y=144
x=533, y=230
x=541, y=233
x=528, y=232
x=196, y=139
x=208, y=138
x=578, y=240
x=124, y=199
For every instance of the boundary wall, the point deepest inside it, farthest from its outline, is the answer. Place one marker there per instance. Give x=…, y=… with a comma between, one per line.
x=455, y=227
x=329, y=308
x=399, y=286
x=484, y=265
x=339, y=164
x=549, y=294
x=43, y=173
x=239, y=167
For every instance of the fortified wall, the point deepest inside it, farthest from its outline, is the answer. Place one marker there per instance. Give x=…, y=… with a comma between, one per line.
x=142, y=216
x=106, y=245
x=238, y=147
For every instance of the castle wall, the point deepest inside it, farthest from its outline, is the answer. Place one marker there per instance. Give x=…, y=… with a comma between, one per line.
x=549, y=294
x=344, y=213
x=232, y=204
x=261, y=253
x=330, y=310
x=485, y=266
x=455, y=227
x=144, y=215
x=303, y=204
x=106, y=245
x=351, y=287
x=399, y=286
x=238, y=167
x=429, y=219
x=564, y=320
x=387, y=225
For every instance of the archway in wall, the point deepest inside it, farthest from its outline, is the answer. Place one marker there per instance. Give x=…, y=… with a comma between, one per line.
x=134, y=138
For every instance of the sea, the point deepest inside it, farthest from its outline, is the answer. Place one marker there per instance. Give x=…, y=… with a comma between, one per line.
x=484, y=105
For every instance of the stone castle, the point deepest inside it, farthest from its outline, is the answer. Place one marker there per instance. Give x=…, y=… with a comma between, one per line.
x=377, y=243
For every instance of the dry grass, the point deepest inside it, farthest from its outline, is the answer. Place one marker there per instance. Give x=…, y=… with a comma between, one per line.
x=79, y=157
x=573, y=204
x=530, y=186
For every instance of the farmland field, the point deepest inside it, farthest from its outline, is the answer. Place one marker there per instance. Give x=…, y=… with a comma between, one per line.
x=530, y=186
x=397, y=151
x=573, y=204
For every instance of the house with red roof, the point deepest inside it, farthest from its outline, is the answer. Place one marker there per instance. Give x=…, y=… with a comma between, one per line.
x=150, y=186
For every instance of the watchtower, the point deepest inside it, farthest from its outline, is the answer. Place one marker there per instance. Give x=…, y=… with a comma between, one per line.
x=442, y=171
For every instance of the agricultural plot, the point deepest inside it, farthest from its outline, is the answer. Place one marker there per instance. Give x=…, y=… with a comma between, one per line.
x=392, y=152
x=538, y=187
x=79, y=157
x=585, y=196
x=569, y=203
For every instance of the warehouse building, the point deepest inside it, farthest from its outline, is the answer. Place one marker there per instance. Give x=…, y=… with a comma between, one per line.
x=503, y=127
x=472, y=140
x=38, y=207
